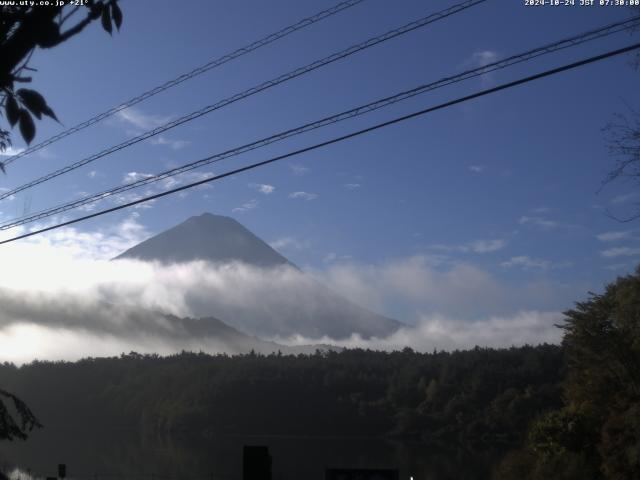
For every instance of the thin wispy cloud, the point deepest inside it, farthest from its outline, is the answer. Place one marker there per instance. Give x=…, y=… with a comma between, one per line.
x=484, y=57
x=299, y=169
x=481, y=58
x=92, y=174
x=617, y=267
x=174, y=144
x=138, y=119
x=191, y=177
x=524, y=261
x=539, y=222
x=289, y=243
x=131, y=177
x=334, y=257
x=528, y=263
x=624, y=198
x=263, y=188
x=614, y=235
x=486, y=246
x=475, y=246
x=46, y=153
x=303, y=196
x=352, y=186
x=539, y=210
x=245, y=207
x=621, y=252
x=476, y=168
x=4, y=190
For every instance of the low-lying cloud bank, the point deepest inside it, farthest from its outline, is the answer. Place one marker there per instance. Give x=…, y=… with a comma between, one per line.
x=61, y=298
x=442, y=333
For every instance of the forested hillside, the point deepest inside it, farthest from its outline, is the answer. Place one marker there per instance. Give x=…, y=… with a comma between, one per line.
x=596, y=433
x=477, y=397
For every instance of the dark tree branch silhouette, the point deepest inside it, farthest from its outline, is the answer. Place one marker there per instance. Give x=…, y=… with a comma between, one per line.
x=623, y=139
x=15, y=424
x=22, y=30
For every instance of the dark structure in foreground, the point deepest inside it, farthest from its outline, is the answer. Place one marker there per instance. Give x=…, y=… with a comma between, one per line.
x=360, y=474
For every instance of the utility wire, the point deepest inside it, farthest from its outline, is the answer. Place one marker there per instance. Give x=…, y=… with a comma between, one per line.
x=354, y=112
x=252, y=91
x=357, y=133
x=188, y=76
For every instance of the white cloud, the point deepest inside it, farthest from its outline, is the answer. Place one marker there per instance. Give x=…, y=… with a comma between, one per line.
x=476, y=168
x=136, y=118
x=624, y=198
x=263, y=188
x=10, y=197
x=485, y=246
x=245, y=207
x=174, y=144
x=333, y=257
x=539, y=210
x=67, y=244
x=64, y=298
x=303, y=195
x=131, y=177
x=476, y=246
x=483, y=57
x=526, y=262
x=613, y=236
x=47, y=154
x=11, y=151
x=445, y=333
x=424, y=284
x=289, y=243
x=330, y=257
x=621, y=252
x=538, y=222
x=92, y=174
x=352, y=186
x=628, y=266
x=188, y=177
x=299, y=169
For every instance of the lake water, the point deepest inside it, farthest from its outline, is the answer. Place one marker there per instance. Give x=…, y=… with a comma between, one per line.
x=123, y=455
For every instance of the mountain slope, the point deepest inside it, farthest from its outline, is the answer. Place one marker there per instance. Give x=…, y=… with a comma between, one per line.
x=272, y=298
x=209, y=237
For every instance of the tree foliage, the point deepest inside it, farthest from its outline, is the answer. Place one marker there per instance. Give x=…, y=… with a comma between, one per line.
x=24, y=28
x=597, y=431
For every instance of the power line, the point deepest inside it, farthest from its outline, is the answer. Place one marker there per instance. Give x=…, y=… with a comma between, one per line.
x=357, y=133
x=354, y=112
x=252, y=91
x=189, y=75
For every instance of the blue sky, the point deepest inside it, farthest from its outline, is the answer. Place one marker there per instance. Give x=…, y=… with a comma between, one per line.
x=506, y=185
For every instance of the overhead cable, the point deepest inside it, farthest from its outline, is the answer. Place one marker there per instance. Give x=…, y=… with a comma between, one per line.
x=354, y=112
x=188, y=76
x=251, y=91
x=342, y=138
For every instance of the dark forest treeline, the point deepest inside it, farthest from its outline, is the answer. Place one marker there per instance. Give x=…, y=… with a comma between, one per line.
x=477, y=398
